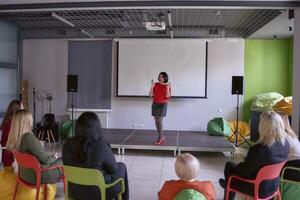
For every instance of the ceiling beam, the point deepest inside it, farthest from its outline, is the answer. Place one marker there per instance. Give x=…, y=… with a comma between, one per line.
x=136, y=4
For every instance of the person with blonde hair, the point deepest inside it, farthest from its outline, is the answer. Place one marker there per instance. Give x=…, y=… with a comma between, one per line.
x=13, y=107
x=187, y=168
x=272, y=147
x=23, y=140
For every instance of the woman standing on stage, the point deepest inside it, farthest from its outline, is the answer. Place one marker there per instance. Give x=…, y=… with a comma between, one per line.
x=161, y=93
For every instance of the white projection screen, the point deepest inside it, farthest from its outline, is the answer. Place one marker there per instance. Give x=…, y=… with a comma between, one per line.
x=141, y=60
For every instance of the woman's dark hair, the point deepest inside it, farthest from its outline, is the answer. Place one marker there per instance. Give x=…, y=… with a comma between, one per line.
x=12, y=108
x=165, y=75
x=87, y=129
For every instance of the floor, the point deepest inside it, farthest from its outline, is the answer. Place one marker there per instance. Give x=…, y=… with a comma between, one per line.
x=148, y=170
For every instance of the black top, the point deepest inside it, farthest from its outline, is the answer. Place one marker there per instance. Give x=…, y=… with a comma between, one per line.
x=99, y=156
x=258, y=156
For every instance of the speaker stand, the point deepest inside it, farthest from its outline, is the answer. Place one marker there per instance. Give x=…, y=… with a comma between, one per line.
x=72, y=112
x=236, y=131
x=34, y=112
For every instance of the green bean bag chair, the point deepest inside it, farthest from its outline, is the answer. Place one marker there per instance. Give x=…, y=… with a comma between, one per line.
x=189, y=194
x=218, y=127
x=266, y=101
x=290, y=191
x=66, y=129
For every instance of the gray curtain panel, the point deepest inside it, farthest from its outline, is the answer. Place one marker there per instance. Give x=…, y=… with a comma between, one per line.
x=9, y=68
x=92, y=62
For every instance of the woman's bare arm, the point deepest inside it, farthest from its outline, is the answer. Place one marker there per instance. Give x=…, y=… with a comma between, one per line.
x=151, y=90
x=168, y=94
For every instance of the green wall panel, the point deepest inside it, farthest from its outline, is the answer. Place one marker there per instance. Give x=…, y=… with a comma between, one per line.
x=268, y=68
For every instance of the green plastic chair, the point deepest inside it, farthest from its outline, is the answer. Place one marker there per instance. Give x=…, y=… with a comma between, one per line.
x=189, y=194
x=90, y=177
x=293, y=186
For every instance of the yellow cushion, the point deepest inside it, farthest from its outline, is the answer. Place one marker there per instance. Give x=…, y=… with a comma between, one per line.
x=243, y=129
x=284, y=106
x=7, y=186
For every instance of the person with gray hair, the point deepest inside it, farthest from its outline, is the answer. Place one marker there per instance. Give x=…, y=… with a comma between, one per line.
x=271, y=148
x=187, y=168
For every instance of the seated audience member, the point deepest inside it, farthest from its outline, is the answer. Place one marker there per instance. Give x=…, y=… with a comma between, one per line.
x=187, y=169
x=272, y=147
x=89, y=149
x=14, y=106
x=294, y=154
x=23, y=140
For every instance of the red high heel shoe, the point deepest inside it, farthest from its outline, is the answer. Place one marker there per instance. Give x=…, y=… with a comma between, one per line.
x=160, y=141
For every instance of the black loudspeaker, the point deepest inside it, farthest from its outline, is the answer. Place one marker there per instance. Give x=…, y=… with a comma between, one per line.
x=291, y=14
x=72, y=83
x=237, y=85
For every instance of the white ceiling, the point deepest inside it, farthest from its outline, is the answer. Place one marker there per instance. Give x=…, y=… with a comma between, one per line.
x=278, y=27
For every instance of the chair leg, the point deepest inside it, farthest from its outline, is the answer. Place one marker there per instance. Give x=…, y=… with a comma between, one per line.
x=48, y=136
x=278, y=195
x=37, y=193
x=46, y=192
x=39, y=134
x=119, y=196
x=42, y=135
x=52, y=137
x=16, y=190
x=227, y=195
x=65, y=185
x=103, y=194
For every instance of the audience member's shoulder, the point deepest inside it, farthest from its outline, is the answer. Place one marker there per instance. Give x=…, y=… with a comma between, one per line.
x=265, y=148
x=279, y=145
x=28, y=136
x=258, y=150
x=169, y=183
x=68, y=143
x=97, y=145
x=258, y=147
x=206, y=183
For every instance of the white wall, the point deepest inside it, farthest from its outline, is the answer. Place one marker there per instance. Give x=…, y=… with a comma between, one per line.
x=45, y=66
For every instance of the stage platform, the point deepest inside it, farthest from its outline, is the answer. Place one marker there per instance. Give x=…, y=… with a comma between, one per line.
x=176, y=141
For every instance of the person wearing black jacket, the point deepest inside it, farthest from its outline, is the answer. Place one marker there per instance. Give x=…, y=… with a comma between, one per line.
x=89, y=149
x=272, y=147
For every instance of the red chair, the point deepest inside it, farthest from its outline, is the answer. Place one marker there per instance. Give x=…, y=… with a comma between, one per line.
x=267, y=172
x=26, y=160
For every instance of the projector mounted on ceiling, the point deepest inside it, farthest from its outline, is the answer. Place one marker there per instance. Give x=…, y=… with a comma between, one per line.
x=155, y=26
